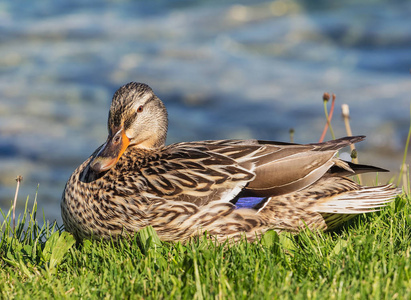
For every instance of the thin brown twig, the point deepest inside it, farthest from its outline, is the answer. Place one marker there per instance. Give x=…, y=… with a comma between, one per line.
x=70, y=290
x=326, y=97
x=18, y=179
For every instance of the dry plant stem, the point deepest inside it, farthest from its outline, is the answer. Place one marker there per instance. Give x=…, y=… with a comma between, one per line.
x=18, y=179
x=291, y=135
x=329, y=117
x=405, y=151
x=346, y=116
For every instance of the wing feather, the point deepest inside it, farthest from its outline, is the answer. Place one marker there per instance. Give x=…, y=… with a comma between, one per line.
x=201, y=172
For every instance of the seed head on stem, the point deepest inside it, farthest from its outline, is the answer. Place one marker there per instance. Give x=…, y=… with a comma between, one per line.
x=326, y=98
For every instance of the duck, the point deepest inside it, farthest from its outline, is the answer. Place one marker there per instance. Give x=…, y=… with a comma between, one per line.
x=225, y=189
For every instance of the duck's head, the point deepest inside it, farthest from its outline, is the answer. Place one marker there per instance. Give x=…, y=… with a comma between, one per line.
x=137, y=118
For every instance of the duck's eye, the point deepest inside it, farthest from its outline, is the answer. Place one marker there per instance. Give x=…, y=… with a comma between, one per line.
x=140, y=109
x=116, y=139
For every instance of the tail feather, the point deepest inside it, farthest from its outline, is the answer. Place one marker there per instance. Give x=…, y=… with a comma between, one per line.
x=342, y=207
x=365, y=200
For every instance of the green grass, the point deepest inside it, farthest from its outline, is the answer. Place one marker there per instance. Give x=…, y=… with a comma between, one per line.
x=367, y=259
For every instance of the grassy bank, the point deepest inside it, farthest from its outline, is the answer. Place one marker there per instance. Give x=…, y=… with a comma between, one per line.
x=368, y=258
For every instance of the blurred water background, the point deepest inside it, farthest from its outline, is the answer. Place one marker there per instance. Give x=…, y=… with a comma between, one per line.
x=225, y=69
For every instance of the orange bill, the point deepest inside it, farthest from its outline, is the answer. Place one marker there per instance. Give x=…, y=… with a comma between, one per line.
x=111, y=152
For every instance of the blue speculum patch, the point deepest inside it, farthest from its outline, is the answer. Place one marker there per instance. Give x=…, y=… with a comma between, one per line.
x=250, y=202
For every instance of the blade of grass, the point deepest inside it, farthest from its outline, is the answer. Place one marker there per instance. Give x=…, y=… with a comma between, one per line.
x=405, y=151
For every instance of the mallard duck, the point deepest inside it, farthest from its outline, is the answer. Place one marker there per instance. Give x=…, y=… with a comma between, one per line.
x=227, y=188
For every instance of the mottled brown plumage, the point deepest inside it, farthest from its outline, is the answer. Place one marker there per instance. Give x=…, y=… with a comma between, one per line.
x=228, y=188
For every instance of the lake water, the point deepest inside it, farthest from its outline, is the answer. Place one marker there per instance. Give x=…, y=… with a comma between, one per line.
x=225, y=69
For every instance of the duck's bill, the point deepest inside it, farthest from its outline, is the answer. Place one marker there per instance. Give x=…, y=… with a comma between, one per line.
x=110, y=153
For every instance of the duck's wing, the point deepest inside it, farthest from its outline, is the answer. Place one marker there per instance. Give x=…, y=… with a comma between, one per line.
x=282, y=168
x=200, y=172
x=193, y=173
